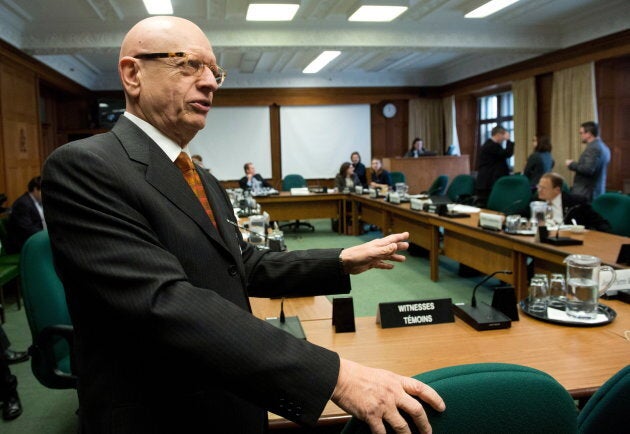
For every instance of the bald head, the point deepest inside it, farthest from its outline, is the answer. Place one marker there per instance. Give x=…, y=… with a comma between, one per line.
x=163, y=33
x=166, y=87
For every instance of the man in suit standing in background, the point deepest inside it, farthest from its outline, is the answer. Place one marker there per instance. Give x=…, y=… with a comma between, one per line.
x=140, y=236
x=27, y=216
x=590, y=169
x=493, y=162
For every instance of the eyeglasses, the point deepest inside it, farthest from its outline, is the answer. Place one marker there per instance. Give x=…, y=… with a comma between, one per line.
x=190, y=65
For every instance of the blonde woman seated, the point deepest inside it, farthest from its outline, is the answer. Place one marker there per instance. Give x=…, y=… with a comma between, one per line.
x=346, y=179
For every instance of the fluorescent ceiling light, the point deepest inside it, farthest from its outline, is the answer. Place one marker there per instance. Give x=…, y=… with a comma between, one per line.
x=377, y=13
x=489, y=8
x=322, y=60
x=271, y=11
x=158, y=7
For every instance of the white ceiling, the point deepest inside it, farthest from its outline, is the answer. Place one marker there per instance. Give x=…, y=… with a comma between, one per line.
x=429, y=45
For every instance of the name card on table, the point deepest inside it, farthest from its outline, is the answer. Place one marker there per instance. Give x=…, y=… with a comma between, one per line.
x=414, y=313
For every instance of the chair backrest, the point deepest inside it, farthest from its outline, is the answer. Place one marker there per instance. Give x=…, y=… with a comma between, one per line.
x=46, y=311
x=293, y=181
x=3, y=235
x=462, y=186
x=494, y=398
x=510, y=195
x=438, y=187
x=397, y=177
x=614, y=207
x=608, y=410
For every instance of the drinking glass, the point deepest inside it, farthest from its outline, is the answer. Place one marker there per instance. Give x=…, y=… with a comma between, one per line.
x=557, y=291
x=538, y=296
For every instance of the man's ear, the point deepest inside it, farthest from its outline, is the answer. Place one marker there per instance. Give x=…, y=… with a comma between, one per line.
x=130, y=75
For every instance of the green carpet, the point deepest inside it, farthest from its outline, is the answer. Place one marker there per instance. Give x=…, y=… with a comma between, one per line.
x=49, y=411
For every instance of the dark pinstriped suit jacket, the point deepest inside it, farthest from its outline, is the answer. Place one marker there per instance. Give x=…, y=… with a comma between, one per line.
x=158, y=297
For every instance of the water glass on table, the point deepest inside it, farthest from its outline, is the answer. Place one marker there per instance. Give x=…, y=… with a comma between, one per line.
x=538, y=296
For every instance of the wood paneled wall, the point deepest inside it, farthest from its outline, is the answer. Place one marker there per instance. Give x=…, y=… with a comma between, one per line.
x=613, y=106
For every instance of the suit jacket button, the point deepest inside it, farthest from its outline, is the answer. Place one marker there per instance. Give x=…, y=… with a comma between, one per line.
x=232, y=271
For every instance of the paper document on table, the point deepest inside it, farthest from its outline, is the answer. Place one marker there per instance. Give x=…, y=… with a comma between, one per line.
x=466, y=209
x=560, y=315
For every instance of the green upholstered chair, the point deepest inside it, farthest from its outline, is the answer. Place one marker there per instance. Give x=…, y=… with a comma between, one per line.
x=289, y=182
x=608, y=410
x=397, y=177
x=510, y=195
x=47, y=314
x=461, y=189
x=615, y=207
x=494, y=398
x=438, y=186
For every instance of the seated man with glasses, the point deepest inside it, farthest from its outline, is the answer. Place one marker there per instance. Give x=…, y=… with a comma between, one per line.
x=567, y=206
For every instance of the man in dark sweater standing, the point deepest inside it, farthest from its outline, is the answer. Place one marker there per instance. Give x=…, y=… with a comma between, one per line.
x=590, y=169
x=493, y=161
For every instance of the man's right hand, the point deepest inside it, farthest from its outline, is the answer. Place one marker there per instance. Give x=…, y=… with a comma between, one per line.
x=375, y=396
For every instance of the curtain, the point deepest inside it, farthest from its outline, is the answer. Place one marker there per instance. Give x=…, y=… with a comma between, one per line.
x=524, y=92
x=450, y=132
x=426, y=120
x=572, y=103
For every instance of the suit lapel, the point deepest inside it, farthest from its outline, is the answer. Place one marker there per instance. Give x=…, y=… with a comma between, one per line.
x=164, y=176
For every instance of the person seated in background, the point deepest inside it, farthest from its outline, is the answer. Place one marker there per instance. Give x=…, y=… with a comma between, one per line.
x=359, y=168
x=566, y=206
x=27, y=216
x=9, y=399
x=252, y=180
x=540, y=161
x=380, y=177
x=198, y=160
x=493, y=162
x=417, y=149
x=346, y=179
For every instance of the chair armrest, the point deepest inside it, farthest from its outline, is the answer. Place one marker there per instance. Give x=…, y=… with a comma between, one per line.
x=44, y=362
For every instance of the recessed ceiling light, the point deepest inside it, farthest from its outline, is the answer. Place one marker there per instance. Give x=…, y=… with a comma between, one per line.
x=271, y=11
x=158, y=7
x=322, y=60
x=377, y=13
x=489, y=8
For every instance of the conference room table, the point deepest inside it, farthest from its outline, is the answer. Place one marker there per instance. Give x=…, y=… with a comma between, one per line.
x=482, y=249
x=581, y=359
x=460, y=239
x=285, y=206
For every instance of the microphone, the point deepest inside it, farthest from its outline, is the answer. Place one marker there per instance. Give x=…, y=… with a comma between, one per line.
x=264, y=236
x=511, y=207
x=481, y=316
x=473, y=300
x=282, y=317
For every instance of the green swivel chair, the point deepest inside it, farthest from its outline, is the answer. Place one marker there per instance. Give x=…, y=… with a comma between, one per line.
x=461, y=189
x=397, y=177
x=494, y=398
x=438, y=187
x=608, y=410
x=47, y=314
x=510, y=195
x=289, y=182
x=615, y=207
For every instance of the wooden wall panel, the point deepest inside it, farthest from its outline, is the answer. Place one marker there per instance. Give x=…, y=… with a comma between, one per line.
x=466, y=124
x=612, y=78
x=544, y=84
x=20, y=129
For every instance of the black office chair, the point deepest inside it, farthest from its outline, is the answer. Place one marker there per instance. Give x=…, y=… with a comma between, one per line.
x=289, y=182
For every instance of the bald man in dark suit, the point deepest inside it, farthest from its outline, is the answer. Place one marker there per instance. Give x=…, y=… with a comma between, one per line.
x=158, y=294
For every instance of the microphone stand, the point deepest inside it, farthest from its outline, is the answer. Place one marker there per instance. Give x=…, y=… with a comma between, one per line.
x=482, y=316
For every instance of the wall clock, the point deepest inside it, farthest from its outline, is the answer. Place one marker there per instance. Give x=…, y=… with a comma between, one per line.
x=389, y=110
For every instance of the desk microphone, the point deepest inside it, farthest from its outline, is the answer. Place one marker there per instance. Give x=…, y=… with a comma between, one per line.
x=282, y=317
x=482, y=316
x=510, y=208
x=246, y=229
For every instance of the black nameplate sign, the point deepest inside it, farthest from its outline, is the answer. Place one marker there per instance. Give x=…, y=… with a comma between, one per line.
x=343, y=315
x=414, y=313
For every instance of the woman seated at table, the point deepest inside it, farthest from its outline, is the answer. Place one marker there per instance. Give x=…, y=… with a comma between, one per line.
x=346, y=179
x=380, y=177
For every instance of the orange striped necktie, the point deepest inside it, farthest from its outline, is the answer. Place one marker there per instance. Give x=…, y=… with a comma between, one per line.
x=191, y=176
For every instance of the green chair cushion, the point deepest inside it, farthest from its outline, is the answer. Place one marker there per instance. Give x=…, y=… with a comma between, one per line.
x=608, y=410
